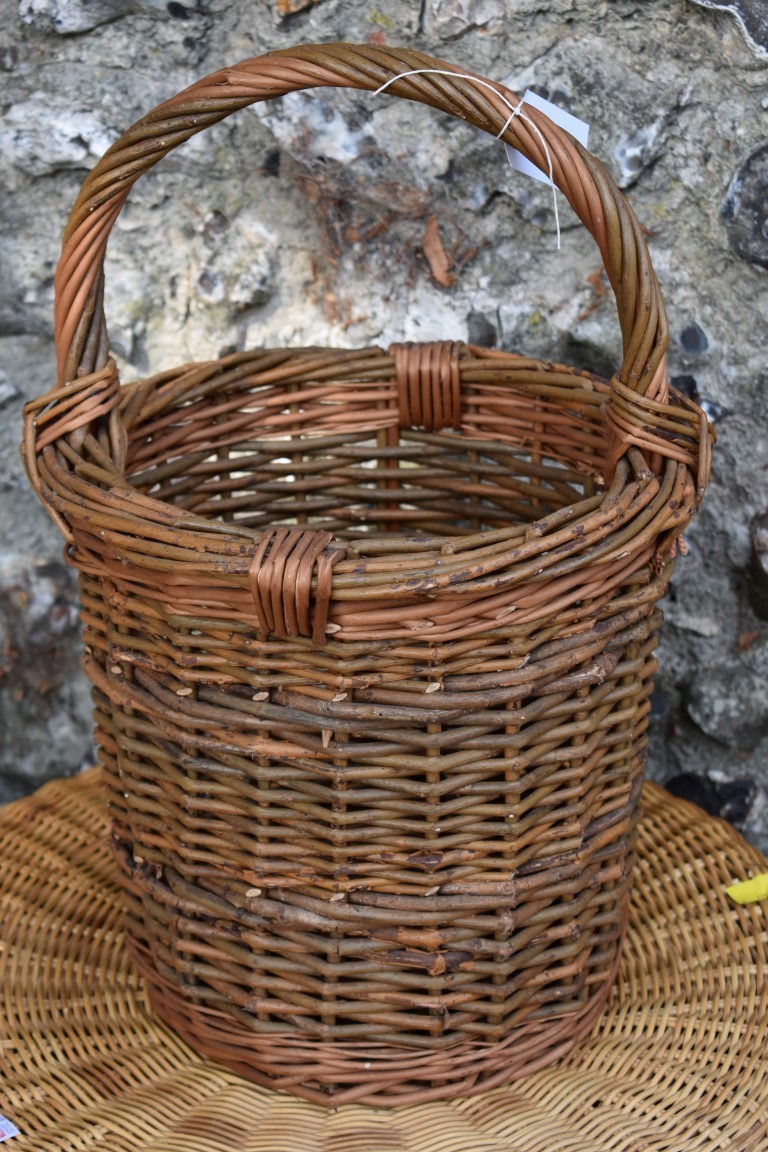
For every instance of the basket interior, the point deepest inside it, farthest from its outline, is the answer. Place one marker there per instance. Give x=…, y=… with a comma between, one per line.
x=330, y=454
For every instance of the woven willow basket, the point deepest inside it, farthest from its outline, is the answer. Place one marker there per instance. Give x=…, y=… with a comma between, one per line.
x=371, y=635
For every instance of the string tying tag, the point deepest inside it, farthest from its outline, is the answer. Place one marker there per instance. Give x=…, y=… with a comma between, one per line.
x=577, y=128
x=515, y=113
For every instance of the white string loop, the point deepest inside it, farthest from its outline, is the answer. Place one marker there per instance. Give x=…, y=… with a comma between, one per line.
x=515, y=111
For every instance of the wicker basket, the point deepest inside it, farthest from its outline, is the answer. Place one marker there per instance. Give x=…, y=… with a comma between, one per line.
x=371, y=639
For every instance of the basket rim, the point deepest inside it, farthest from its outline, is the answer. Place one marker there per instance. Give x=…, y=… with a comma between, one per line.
x=154, y=547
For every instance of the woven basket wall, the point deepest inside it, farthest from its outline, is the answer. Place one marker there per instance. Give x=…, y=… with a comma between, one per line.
x=371, y=636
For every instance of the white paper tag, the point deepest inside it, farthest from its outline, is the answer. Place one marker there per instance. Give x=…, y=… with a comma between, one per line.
x=558, y=116
x=7, y=1130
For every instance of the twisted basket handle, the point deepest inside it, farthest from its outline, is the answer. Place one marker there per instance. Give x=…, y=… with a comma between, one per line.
x=640, y=386
x=76, y=437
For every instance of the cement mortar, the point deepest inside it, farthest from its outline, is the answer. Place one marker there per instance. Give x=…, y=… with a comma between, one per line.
x=303, y=222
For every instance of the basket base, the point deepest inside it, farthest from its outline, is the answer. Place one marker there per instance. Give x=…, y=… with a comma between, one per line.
x=335, y=1074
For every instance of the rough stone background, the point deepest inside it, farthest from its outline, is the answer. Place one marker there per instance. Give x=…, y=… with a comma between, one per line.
x=309, y=221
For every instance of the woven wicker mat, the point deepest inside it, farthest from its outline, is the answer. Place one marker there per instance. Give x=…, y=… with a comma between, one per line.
x=677, y=1063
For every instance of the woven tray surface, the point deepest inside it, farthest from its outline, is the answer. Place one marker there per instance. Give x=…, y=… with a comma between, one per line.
x=676, y=1063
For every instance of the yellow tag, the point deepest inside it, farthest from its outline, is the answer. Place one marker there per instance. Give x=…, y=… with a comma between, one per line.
x=748, y=891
